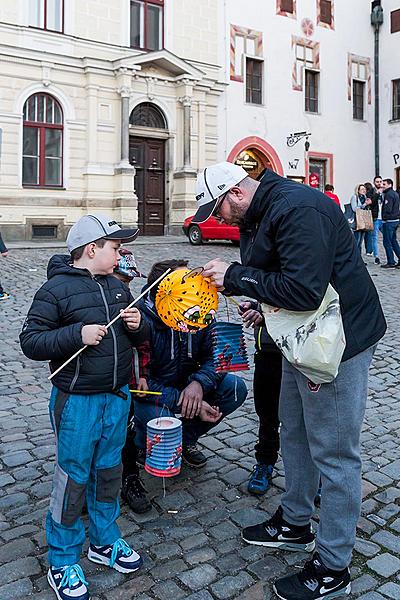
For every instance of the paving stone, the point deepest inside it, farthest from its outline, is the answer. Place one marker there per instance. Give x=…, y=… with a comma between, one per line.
x=224, y=531
x=20, y=568
x=363, y=584
x=134, y=586
x=17, y=458
x=391, y=590
x=201, y=555
x=388, y=540
x=15, y=549
x=16, y=589
x=366, y=547
x=167, y=590
x=385, y=564
x=371, y=596
x=199, y=577
x=168, y=569
x=267, y=568
x=229, y=586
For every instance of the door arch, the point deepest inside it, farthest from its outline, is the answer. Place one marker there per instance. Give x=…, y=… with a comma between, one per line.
x=148, y=128
x=255, y=155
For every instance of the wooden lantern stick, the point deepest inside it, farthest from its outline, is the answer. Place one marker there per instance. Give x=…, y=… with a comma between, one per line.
x=111, y=322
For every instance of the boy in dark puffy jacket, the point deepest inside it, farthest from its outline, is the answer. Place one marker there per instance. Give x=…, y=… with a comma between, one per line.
x=89, y=402
x=181, y=367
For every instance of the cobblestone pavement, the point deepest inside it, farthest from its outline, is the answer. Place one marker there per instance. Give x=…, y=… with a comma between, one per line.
x=191, y=539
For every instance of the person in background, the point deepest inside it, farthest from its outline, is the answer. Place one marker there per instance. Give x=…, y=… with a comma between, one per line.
x=329, y=191
x=368, y=237
x=390, y=223
x=4, y=253
x=360, y=200
x=376, y=196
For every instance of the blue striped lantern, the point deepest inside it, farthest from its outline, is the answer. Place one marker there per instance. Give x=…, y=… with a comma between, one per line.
x=164, y=447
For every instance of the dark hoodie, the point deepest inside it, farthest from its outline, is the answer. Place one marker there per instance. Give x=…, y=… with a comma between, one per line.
x=70, y=299
x=177, y=358
x=297, y=243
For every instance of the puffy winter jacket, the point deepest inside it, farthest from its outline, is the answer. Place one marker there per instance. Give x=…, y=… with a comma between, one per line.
x=70, y=299
x=298, y=243
x=177, y=358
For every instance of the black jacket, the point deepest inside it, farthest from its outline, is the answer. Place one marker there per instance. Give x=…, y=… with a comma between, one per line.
x=70, y=299
x=177, y=358
x=3, y=247
x=297, y=243
x=391, y=205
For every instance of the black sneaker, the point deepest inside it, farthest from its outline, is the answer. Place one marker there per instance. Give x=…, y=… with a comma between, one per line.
x=313, y=582
x=276, y=533
x=377, y=260
x=134, y=494
x=193, y=457
x=140, y=457
x=388, y=266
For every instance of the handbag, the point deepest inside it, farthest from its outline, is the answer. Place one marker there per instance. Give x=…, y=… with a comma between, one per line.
x=364, y=220
x=312, y=341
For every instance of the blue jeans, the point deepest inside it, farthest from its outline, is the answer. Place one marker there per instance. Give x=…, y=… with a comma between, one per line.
x=390, y=243
x=229, y=395
x=359, y=236
x=375, y=237
x=90, y=432
x=368, y=241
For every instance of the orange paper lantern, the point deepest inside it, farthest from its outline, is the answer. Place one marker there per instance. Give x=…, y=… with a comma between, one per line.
x=186, y=301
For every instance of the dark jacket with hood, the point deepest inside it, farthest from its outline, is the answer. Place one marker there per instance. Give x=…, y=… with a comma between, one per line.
x=177, y=358
x=297, y=243
x=391, y=205
x=70, y=299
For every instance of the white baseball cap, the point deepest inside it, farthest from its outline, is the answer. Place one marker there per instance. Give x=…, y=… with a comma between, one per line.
x=94, y=227
x=212, y=183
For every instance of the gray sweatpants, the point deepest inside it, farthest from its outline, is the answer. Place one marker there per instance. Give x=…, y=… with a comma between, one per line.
x=320, y=436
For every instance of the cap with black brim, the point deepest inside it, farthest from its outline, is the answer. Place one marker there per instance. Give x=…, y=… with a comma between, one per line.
x=123, y=235
x=204, y=212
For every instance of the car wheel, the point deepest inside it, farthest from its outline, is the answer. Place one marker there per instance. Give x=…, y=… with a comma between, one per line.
x=195, y=236
x=235, y=242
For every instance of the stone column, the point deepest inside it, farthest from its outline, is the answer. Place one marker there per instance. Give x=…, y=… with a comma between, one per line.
x=187, y=114
x=125, y=94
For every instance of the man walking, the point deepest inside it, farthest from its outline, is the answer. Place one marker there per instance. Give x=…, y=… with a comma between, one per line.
x=296, y=243
x=376, y=196
x=390, y=223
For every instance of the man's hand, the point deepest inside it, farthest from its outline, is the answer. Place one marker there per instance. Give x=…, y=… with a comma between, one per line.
x=252, y=317
x=142, y=385
x=93, y=334
x=210, y=414
x=132, y=318
x=215, y=270
x=190, y=400
x=5, y=254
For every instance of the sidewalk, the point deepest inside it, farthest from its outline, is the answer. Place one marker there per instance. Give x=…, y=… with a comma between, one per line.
x=141, y=241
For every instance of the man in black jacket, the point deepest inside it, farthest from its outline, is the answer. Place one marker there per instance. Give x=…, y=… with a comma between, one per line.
x=297, y=244
x=390, y=223
x=4, y=253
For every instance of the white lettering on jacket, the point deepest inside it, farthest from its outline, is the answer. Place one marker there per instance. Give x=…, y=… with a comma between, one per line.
x=250, y=280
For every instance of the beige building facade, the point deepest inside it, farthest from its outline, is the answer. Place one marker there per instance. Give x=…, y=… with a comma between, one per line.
x=105, y=106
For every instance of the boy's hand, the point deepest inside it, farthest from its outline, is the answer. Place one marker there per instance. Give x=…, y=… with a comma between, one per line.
x=142, y=385
x=210, y=414
x=93, y=334
x=5, y=254
x=190, y=400
x=132, y=318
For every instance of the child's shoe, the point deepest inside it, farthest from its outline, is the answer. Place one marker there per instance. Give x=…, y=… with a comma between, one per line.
x=260, y=479
x=4, y=296
x=68, y=583
x=119, y=556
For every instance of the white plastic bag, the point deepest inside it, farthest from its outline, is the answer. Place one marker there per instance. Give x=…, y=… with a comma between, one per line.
x=312, y=341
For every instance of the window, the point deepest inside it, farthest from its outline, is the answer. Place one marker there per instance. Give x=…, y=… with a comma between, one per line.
x=326, y=12
x=47, y=14
x=42, y=142
x=358, y=100
x=396, y=100
x=147, y=24
x=287, y=6
x=395, y=21
x=254, y=80
x=311, y=91
x=306, y=56
x=147, y=114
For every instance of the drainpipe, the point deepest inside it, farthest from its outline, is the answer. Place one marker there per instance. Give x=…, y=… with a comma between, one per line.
x=376, y=22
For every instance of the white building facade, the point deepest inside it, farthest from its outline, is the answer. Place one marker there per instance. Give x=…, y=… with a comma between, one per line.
x=115, y=106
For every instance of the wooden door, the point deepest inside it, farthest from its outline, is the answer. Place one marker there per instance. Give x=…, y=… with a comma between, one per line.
x=148, y=157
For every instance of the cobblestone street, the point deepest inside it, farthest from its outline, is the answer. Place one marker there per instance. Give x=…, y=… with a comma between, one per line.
x=190, y=541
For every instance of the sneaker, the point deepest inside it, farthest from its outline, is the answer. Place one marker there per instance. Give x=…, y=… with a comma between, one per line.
x=140, y=457
x=377, y=260
x=260, y=479
x=119, y=556
x=134, y=494
x=193, y=457
x=387, y=266
x=276, y=533
x=313, y=582
x=369, y=254
x=68, y=582
x=4, y=296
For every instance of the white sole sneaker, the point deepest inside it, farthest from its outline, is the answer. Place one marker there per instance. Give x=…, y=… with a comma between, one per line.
x=53, y=585
x=344, y=592
x=103, y=560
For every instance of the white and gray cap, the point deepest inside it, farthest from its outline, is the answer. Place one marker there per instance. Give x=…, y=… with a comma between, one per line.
x=212, y=183
x=93, y=227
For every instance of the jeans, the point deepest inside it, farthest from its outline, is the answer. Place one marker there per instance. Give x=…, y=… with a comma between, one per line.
x=368, y=242
x=375, y=237
x=90, y=433
x=229, y=395
x=320, y=436
x=359, y=236
x=390, y=243
x=267, y=386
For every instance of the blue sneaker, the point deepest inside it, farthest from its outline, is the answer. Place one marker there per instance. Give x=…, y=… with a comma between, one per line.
x=68, y=583
x=119, y=556
x=260, y=479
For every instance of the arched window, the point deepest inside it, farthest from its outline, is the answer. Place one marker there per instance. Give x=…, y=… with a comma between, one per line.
x=147, y=115
x=42, y=142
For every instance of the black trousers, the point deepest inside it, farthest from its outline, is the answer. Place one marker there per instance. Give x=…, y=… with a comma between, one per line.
x=267, y=387
x=129, y=452
x=1, y=289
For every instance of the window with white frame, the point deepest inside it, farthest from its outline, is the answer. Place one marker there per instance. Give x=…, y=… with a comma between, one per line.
x=47, y=14
x=42, y=155
x=147, y=24
x=396, y=100
x=244, y=43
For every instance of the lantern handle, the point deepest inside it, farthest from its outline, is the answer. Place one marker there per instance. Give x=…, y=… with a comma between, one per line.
x=195, y=271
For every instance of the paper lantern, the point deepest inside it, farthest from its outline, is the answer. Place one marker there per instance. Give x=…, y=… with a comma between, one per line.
x=229, y=347
x=164, y=447
x=186, y=301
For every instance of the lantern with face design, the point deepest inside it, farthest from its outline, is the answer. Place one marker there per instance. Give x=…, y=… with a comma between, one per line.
x=186, y=301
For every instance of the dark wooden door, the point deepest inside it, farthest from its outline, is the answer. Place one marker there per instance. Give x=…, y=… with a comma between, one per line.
x=148, y=158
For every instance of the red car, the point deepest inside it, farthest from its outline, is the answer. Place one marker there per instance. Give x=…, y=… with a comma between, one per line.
x=210, y=230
